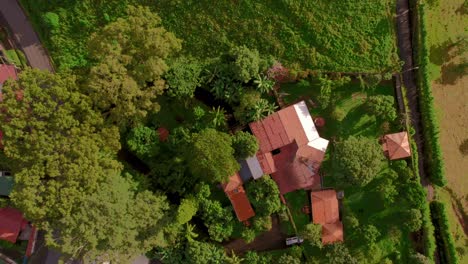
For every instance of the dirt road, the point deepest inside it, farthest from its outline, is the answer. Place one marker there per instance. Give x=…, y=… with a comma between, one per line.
x=406, y=54
x=24, y=35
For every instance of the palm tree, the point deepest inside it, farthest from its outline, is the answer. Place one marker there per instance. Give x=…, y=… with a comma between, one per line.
x=264, y=85
x=190, y=233
x=262, y=109
x=219, y=118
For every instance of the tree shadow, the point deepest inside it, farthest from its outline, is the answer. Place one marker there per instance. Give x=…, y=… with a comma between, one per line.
x=451, y=72
x=445, y=51
x=464, y=147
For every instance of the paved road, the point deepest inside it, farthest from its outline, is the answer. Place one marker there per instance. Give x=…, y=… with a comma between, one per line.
x=24, y=35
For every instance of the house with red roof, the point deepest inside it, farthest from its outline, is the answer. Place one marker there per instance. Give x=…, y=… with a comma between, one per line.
x=396, y=146
x=291, y=150
x=239, y=200
x=12, y=224
x=325, y=212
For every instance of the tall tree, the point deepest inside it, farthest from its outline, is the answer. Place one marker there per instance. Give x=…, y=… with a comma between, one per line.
x=143, y=141
x=245, y=145
x=358, y=159
x=264, y=196
x=129, y=61
x=183, y=77
x=382, y=106
x=212, y=157
x=312, y=233
x=245, y=63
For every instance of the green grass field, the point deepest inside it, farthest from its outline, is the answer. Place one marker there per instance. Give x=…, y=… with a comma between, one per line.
x=344, y=36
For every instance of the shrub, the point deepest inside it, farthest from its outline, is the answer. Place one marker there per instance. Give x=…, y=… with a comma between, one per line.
x=245, y=145
x=445, y=243
x=430, y=124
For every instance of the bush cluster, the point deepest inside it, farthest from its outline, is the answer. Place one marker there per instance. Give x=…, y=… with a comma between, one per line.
x=431, y=128
x=446, y=245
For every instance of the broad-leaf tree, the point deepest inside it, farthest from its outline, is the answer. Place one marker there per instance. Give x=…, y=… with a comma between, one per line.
x=183, y=77
x=382, y=106
x=245, y=145
x=264, y=196
x=358, y=159
x=129, y=57
x=212, y=156
x=312, y=233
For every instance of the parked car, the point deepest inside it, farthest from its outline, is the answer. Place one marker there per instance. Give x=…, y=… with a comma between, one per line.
x=293, y=241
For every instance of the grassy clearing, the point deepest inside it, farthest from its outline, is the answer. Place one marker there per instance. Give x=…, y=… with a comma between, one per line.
x=296, y=201
x=343, y=36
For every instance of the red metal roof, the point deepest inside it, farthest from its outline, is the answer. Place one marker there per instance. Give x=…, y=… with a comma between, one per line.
x=238, y=197
x=325, y=212
x=7, y=72
x=296, y=165
x=11, y=223
x=397, y=145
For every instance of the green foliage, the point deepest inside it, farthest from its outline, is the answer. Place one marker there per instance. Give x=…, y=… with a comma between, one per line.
x=264, y=196
x=288, y=259
x=212, y=157
x=204, y=253
x=359, y=159
x=312, y=233
x=412, y=220
x=252, y=257
x=183, y=77
x=369, y=234
x=187, y=209
x=264, y=84
x=327, y=85
x=245, y=145
x=428, y=232
x=419, y=259
x=444, y=239
x=429, y=117
x=143, y=141
x=51, y=20
x=245, y=63
x=382, y=106
x=129, y=61
x=252, y=107
x=339, y=254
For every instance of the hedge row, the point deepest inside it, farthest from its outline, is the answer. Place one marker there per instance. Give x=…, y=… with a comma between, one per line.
x=428, y=232
x=445, y=243
x=433, y=153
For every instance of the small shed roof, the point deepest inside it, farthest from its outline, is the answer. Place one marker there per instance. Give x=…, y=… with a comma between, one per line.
x=397, y=145
x=11, y=224
x=324, y=207
x=7, y=72
x=239, y=200
x=332, y=233
x=6, y=185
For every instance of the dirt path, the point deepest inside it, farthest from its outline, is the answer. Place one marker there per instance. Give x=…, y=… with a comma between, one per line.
x=406, y=54
x=24, y=35
x=271, y=240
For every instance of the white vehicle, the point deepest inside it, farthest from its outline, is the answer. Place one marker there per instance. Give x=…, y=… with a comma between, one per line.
x=5, y=173
x=293, y=241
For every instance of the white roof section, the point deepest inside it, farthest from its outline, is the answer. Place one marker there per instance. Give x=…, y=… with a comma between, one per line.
x=306, y=121
x=319, y=143
x=254, y=167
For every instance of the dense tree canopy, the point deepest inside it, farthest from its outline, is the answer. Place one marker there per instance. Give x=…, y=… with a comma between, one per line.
x=129, y=58
x=183, y=77
x=382, y=106
x=312, y=233
x=245, y=145
x=245, y=64
x=212, y=157
x=143, y=141
x=358, y=159
x=264, y=196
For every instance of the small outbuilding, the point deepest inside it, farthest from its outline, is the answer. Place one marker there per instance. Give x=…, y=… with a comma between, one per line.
x=396, y=145
x=239, y=200
x=325, y=212
x=11, y=224
x=6, y=185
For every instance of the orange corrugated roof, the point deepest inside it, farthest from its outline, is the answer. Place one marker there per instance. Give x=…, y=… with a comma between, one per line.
x=325, y=211
x=241, y=204
x=236, y=194
x=398, y=146
x=324, y=207
x=332, y=233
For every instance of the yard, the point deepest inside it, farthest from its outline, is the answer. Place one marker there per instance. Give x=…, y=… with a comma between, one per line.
x=348, y=116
